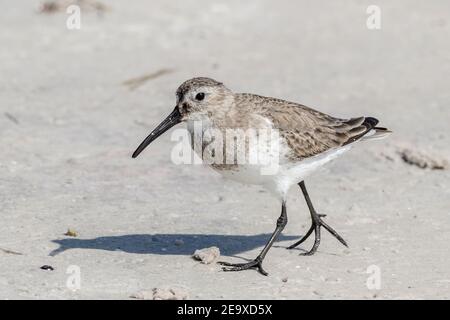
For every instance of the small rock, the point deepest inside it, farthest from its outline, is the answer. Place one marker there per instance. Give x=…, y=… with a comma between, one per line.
x=423, y=160
x=47, y=268
x=207, y=255
x=71, y=233
x=179, y=242
x=284, y=279
x=169, y=294
x=317, y=293
x=162, y=294
x=142, y=295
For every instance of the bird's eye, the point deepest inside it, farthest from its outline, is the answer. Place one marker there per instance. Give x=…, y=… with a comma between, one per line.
x=200, y=96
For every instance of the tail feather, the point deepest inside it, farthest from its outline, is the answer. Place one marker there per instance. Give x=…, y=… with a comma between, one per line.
x=369, y=131
x=377, y=133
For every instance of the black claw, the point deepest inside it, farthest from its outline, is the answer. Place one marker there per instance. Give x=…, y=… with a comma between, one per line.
x=334, y=233
x=262, y=271
x=315, y=226
x=255, y=264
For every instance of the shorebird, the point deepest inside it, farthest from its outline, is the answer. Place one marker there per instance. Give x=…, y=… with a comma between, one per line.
x=307, y=139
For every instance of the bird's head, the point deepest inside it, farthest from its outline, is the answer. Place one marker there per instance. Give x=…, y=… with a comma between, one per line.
x=197, y=98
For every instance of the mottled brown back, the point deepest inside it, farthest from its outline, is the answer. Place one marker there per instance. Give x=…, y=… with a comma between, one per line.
x=307, y=131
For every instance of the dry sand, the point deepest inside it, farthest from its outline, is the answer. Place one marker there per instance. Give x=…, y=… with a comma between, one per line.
x=75, y=103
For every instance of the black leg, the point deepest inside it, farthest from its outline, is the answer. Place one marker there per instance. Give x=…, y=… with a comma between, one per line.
x=317, y=222
x=257, y=263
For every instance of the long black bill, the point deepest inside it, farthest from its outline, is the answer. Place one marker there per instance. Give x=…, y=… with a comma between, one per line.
x=173, y=119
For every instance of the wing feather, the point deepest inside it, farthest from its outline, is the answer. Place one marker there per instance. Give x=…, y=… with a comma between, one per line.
x=308, y=132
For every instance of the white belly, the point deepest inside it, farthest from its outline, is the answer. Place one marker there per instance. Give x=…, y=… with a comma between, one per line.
x=279, y=180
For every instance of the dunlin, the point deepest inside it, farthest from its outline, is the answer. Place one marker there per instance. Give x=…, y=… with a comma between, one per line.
x=306, y=140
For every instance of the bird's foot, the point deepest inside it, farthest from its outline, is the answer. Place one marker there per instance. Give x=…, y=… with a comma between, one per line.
x=315, y=226
x=255, y=264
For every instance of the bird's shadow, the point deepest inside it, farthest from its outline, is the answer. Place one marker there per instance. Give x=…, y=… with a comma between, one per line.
x=168, y=244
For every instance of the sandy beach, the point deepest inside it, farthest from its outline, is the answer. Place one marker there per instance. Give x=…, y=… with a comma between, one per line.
x=75, y=103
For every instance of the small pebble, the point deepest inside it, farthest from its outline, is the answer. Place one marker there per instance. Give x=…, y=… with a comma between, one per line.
x=207, y=255
x=161, y=294
x=47, y=267
x=71, y=233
